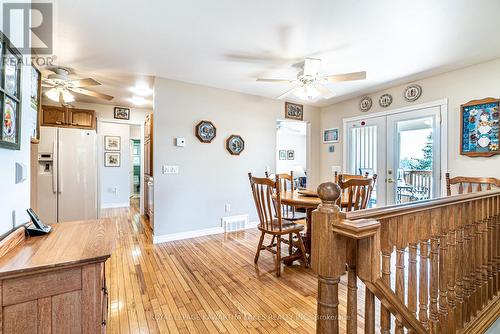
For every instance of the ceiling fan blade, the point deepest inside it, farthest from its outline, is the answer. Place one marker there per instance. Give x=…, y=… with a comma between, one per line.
x=346, y=77
x=84, y=82
x=91, y=93
x=311, y=66
x=275, y=80
x=285, y=94
x=46, y=84
x=324, y=91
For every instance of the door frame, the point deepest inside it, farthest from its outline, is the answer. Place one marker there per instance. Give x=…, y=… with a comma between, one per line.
x=442, y=104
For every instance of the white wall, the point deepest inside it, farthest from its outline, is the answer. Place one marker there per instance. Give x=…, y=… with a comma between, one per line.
x=209, y=177
x=460, y=86
x=114, y=181
x=295, y=142
x=15, y=198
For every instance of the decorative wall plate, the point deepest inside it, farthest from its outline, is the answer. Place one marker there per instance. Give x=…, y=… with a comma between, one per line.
x=235, y=144
x=412, y=93
x=205, y=131
x=385, y=100
x=365, y=103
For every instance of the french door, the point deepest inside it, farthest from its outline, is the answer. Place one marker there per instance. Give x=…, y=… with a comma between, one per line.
x=403, y=149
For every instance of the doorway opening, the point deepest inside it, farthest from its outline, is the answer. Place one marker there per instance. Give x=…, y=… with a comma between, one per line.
x=291, y=150
x=135, y=168
x=405, y=148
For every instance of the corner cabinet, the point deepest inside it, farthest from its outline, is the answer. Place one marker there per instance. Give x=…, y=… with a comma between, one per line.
x=148, y=169
x=68, y=117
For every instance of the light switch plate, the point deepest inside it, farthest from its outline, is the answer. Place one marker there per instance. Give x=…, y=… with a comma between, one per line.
x=180, y=142
x=170, y=169
x=337, y=169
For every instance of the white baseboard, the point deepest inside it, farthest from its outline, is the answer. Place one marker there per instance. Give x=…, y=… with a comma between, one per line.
x=196, y=233
x=115, y=205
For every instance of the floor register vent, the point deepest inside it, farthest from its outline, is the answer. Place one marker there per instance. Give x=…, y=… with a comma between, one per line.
x=234, y=223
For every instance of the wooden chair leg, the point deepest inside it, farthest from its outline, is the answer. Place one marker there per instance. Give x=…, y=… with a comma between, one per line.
x=290, y=244
x=303, y=250
x=271, y=244
x=278, y=257
x=259, y=247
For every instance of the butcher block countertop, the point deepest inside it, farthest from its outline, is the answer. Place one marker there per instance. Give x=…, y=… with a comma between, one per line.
x=69, y=243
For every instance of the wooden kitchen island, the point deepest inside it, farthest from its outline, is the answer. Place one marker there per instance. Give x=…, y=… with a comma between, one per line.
x=56, y=283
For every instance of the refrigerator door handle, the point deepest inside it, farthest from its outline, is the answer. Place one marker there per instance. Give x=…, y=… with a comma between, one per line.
x=54, y=168
x=59, y=162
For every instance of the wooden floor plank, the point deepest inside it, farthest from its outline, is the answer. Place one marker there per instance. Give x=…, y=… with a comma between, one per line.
x=206, y=285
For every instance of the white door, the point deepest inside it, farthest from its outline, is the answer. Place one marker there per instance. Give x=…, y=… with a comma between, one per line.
x=47, y=175
x=413, y=156
x=366, y=146
x=77, y=174
x=403, y=149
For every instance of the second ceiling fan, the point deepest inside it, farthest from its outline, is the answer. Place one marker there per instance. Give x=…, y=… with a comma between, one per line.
x=309, y=85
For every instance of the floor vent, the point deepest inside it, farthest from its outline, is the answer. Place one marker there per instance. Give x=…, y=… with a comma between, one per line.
x=234, y=223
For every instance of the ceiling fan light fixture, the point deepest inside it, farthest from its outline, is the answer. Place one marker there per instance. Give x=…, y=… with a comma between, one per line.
x=306, y=92
x=53, y=94
x=142, y=90
x=67, y=96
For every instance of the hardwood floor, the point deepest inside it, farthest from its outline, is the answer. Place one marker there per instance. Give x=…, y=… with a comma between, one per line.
x=205, y=285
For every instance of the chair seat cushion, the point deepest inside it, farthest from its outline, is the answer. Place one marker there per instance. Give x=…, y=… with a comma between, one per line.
x=286, y=226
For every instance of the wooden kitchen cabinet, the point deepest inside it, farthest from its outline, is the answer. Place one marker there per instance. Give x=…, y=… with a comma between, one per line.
x=44, y=290
x=68, y=117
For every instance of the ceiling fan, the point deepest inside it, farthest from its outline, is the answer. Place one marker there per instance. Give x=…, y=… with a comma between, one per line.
x=309, y=85
x=62, y=86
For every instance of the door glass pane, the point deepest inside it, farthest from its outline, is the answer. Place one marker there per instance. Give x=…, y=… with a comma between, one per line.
x=415, y=158
x=363, y=154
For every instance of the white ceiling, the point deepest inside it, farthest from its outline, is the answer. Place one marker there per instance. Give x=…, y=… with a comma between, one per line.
x=203, y=42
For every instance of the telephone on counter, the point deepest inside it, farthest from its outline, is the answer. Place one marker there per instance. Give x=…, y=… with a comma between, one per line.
x=36, y=227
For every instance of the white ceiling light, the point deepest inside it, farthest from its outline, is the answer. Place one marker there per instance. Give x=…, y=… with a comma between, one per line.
x=138, y=100
x=142, y=89
x=53, y=94
x=306, y=92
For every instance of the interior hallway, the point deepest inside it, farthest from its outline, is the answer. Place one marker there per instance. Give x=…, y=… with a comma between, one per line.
x=205, y=285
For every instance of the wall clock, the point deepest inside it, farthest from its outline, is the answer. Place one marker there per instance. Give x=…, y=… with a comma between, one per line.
x=365, y=104
x=412, y=93
x=235, y=144
x=205, y=131
x=385, y=100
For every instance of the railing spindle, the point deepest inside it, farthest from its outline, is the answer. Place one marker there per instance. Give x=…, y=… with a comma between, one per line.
x=434, y=277
x=467, y=264
x=400, y=265
x=423, y=291
x=352, y=288
x=459, y=269
x=450, y=266
x=412, y=263
x=386, y=248
x=369, y=312
x=443, y=274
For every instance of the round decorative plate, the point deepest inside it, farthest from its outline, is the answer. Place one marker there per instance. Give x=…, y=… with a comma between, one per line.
x=365, y=104
x=412, y=93
x=385, y=100
x=205, y=131
x=235, y=144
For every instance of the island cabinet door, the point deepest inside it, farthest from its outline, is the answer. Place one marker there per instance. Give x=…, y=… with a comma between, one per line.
x=62, y=301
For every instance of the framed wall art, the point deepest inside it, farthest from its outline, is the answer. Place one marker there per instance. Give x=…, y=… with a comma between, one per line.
x=122, y=113
x=10, y=96
x=282, y=154
x=205, y=131
x=36, y=102
x=112, y=159
x=112, y=143
x=235, y=144
x=294, y=111
x=479, y=128
x=331, y=135
x=365, y=103
x=290, y=155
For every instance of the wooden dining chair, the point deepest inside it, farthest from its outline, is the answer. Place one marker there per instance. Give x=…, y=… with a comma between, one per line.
x=271, y=221
x=350, y=176
x=469, y=184
x=356, y=192
x=286, y=183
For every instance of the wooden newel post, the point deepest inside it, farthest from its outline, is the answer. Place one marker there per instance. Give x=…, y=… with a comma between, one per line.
x=328, y=257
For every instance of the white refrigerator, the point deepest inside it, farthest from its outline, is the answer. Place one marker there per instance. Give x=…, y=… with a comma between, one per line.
x=67, y=174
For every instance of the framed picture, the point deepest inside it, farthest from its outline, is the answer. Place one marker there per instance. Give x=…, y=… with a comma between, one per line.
x=479, y=128
x=294, y=111
x=122, y=113
x=10, y=96
x=36, y=102
x=112, y=143
x=205, y=131
x=282, y=155
x=290, y=155
x=331, y=135
x=235, y=144
x=111, y=159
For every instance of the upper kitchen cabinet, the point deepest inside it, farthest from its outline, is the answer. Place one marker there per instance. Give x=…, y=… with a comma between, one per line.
x=68, y=117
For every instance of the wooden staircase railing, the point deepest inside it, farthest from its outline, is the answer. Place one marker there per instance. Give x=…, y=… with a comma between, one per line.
x=433, y=265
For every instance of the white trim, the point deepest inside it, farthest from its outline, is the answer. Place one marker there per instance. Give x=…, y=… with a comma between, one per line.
x=115, y=205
